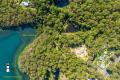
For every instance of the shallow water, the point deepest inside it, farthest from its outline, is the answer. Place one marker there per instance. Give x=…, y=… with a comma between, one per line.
x=11, y=44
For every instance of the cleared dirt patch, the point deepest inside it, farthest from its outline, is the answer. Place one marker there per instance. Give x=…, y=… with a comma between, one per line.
x=64, y=77
x=80, y=51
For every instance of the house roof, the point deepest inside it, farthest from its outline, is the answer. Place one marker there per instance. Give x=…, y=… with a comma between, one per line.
x=25, y=3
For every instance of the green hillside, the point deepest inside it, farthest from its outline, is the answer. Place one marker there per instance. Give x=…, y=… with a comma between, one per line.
x=13, y=14
x=77, y=40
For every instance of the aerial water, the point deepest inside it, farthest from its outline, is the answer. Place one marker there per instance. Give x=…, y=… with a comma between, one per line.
x=12, y=42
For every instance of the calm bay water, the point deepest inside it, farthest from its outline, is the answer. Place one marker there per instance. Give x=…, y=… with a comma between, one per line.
x=12, y=42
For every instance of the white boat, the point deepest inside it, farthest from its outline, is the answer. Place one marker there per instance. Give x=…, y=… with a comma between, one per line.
x=7, y=68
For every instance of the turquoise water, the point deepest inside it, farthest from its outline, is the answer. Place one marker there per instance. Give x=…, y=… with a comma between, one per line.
x=11, y=44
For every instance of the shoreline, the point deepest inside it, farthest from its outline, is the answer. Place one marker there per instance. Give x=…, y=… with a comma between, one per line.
x=19, y=52
x=21, y=49
x=16, y=60
x=25, y=40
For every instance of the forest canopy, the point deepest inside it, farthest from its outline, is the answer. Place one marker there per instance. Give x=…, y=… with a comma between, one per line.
x=95, y=24
x=13, y=14
x=60, y=28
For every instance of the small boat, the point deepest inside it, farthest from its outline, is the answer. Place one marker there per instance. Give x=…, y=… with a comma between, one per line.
x=7, y=68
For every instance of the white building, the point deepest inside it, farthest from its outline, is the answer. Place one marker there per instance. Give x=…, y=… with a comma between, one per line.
x=101, y=58
x=102, y=66
x=25, y=3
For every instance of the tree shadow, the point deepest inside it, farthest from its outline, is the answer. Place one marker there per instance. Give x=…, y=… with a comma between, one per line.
x=47, y=75
x=22, y=27
x=57, y=73
x=75, y=27
x=61, y=3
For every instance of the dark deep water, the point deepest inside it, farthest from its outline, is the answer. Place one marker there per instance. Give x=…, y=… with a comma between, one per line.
x=12, y=42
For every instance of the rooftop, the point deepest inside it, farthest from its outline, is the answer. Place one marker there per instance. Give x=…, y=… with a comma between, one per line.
x=25, y=3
